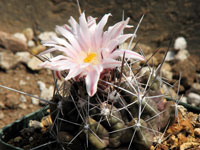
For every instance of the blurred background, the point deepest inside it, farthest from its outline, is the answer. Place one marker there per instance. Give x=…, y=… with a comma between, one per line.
x=162, y=18
x=25, y=23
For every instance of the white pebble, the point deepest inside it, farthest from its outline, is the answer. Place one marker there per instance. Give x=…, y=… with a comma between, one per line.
x=24, y=57
x=35, y=101
x=184, y=99
x=170, y=56
x=20, y=36
x=31, y=43
x=22, y=82
x=1, y=115
x=29, y=34
x=35, y=124
x=180, y=43
x=194, y=99
x=41, y=85
x=33, y=63
x=182, y=55
x=22, y=99
x=23, y=106
x=45, y=36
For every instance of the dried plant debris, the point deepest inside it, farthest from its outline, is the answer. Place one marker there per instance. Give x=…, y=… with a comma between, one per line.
x=184, y=134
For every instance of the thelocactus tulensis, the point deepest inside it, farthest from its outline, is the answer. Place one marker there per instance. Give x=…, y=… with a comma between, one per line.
x=101, y=103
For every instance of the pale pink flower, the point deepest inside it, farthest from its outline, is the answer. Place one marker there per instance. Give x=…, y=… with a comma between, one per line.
x=88, y=49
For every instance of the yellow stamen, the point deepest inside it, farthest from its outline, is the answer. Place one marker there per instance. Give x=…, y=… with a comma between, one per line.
x=91, y=58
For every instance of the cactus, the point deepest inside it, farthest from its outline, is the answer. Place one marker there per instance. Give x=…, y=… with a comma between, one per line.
x=113, y=107
x=116, y=116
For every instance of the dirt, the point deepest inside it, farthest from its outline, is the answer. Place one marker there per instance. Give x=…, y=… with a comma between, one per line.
x=10, y=100
x=183, y=134
x=162, y=20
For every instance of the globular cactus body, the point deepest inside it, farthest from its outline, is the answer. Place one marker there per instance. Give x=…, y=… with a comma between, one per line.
x=119, y=116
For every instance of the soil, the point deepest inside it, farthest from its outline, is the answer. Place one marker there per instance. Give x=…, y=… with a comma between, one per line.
x=10, y=100
x=162, y=20
x=183, y=134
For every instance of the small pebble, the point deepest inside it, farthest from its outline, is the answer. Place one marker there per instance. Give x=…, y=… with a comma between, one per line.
x=27, y=78
x=38, y=49
x=194, y=99
x=11, y=101
x=41, y=85
x=2, y=105
x=31, y=139
x=29, y=34
x=46, y=121
x=64, y=136
x=22, y=82
x=31, y=43
x=24, y=57
x=1, y=115
x=182, y=55
x=46, y=35
x=35, y=101
x=13, y=43
x=8, y=60
x=196, y=88
x=184, y=99
x=180, y=43
x=35, y=124
x=170, y=56
x=30, y=106
x=20, y=36
x=17, y=139
x=33, y=63
x=46, y=93
x=22, y=98
x=23, y=106
x=197, y=131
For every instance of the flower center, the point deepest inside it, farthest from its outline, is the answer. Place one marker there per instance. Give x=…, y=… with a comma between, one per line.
x=91, y=58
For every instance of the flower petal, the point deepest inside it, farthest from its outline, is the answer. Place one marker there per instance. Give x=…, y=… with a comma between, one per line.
x=74, y=25
x=68, y=35
x=128, y=54
x=123, y=38
x=57, y=65
x=111, y=63
x=91, y=22
x=114, y=31
x=99, y=30
x=91, y=80
x=69, y=52
x=74, y=72
x=84, y=30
